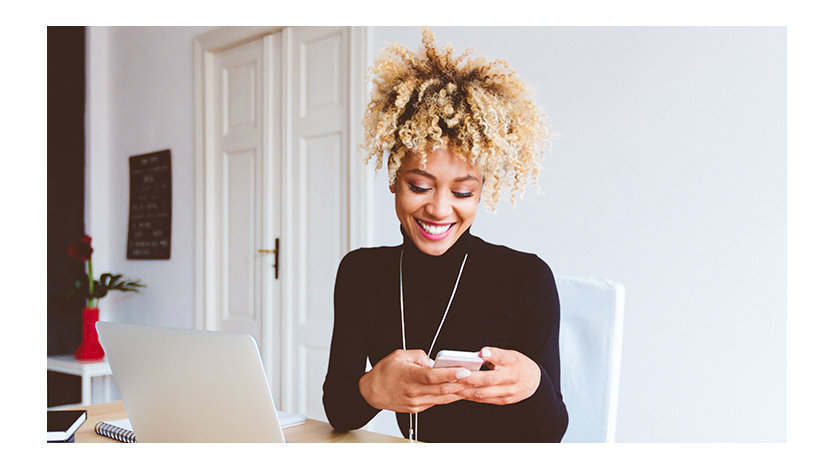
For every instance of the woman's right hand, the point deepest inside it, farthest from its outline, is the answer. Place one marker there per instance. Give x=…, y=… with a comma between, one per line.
x=405, y=382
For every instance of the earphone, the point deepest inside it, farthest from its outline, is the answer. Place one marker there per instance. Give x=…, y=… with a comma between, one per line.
x=412, y=417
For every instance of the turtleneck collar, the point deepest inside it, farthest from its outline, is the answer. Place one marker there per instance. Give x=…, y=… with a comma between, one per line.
x=452, y=256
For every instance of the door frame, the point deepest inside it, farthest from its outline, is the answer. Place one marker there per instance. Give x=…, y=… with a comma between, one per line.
x=275, y=354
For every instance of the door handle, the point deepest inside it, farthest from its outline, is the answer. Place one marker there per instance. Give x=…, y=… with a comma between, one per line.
x=277, y=252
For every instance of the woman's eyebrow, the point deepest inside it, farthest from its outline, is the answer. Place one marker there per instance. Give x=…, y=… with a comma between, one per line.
x=418, y=171
x=459, y=179
x=465, y=178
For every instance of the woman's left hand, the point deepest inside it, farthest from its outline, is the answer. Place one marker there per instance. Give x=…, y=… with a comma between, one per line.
x=513, y=378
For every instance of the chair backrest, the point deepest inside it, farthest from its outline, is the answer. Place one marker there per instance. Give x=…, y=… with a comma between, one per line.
x=590, y=344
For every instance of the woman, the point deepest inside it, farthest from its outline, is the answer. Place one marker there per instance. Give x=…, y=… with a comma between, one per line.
x=453, y=134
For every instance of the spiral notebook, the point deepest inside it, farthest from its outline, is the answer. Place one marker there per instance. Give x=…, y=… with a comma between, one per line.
x=119, y=430
x=122, y=431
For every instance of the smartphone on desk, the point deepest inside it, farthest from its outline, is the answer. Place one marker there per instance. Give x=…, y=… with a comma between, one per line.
x=467, y=360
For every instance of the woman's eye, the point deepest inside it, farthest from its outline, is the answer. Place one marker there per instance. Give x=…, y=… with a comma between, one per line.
x=462, y=195
x=418, y=189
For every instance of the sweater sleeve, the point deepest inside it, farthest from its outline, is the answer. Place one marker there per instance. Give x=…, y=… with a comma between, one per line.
x=344, y=406
x=537, y=336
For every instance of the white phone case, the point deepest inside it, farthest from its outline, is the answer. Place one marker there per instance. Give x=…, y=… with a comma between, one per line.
x=467, y=360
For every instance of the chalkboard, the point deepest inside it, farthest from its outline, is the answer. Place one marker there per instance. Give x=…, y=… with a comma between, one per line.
x=149, y=223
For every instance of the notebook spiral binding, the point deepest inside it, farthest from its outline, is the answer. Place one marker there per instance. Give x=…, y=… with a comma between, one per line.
x=115, y=432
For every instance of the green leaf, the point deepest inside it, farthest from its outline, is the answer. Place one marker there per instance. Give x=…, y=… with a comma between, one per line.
x=99, y=290
x=106, y=282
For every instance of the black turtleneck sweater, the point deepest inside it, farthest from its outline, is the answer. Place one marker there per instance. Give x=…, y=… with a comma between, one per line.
x=505, y=299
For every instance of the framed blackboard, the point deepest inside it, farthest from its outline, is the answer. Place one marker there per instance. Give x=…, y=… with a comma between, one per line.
x=149, y=223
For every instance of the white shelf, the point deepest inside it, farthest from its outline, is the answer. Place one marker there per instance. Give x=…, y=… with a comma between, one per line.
x=87, y=370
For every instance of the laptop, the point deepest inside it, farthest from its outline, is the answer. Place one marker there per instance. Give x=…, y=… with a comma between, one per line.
x=181, y=385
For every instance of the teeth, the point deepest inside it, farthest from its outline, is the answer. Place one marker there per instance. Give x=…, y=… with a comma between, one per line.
x=434, y=229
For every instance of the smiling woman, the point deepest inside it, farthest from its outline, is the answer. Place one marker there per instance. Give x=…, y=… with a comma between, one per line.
x=452, y=133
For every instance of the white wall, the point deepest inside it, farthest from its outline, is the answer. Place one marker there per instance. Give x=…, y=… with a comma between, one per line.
x=669, y=176
x=140, y=100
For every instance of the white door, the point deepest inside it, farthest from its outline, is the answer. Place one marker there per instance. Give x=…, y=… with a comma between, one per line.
x=237, y=186
x=281, y=161
x=319, y=138
x=238, y=160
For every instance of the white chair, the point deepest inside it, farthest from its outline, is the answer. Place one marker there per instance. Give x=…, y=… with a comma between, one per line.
x=590, y=349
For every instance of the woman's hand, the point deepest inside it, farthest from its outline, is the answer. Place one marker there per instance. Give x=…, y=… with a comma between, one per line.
x=405, y=382
x=513, y=378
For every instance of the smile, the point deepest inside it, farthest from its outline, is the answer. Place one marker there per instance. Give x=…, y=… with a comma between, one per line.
x=432, y=231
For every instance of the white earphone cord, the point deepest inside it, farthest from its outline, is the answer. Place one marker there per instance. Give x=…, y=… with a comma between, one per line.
x=412, y=417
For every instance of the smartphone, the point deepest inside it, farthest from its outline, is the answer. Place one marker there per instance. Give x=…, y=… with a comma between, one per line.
x=467, y=360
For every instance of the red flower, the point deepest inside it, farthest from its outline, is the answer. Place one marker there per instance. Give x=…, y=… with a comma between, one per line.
x=81, y=249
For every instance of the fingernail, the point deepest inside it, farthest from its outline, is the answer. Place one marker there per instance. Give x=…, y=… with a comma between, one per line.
x=485, y=353
x=463, y=373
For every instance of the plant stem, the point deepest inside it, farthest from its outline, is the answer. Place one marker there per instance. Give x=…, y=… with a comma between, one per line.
x=90, y=278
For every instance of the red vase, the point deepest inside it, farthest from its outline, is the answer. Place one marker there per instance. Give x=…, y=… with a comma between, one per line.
x=90, y=348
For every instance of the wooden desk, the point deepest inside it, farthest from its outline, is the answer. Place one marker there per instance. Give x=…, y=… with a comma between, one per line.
x=311, y=431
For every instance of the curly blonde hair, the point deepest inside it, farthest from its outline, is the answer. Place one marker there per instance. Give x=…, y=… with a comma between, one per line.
x=479, y=110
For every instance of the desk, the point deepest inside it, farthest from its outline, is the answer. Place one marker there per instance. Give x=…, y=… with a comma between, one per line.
x=68, y=364
x=311, y=431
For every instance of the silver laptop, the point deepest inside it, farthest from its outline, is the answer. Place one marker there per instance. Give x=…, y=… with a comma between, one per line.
x=182, y=385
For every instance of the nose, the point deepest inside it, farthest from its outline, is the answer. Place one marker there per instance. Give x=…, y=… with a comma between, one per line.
x=440, y=207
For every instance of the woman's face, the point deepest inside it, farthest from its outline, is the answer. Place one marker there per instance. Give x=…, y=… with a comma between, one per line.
x=437, y=205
